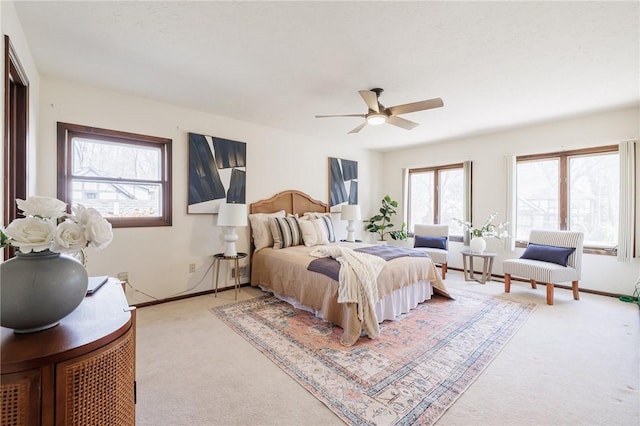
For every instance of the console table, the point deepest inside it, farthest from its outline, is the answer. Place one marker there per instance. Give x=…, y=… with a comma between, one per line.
x=487, y=265
x=79, y=372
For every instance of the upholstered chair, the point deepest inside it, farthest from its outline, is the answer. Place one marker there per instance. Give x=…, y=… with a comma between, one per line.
x=433, y=240
x=551, y=257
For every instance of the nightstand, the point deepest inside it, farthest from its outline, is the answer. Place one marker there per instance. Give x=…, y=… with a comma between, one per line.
x=219, y=257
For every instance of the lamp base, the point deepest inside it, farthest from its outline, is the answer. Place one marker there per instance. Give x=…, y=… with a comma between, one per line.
x=351, y=238
x=230, y=238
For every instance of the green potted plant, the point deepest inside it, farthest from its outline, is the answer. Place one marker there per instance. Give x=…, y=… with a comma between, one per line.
x=381, y=222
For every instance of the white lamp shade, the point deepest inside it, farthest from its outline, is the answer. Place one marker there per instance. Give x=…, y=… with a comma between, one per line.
x=350, y=212
x=232, y=215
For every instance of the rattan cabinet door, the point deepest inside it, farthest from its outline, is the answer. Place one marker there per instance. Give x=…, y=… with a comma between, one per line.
x=21, y=398
x=98, y=388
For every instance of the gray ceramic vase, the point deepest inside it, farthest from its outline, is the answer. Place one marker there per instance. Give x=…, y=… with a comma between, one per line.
x=39, y=289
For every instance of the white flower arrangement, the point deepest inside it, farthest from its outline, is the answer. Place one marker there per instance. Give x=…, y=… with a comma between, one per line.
x=47, y=226
x=488, y=228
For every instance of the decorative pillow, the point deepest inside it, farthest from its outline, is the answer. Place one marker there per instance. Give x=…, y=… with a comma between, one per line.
x=313, y=215
x=285, y=231
x=558, y=255
x=260, y=228
x=328, y=223
x=313, y=232
x=327, y=226
x=430, y=242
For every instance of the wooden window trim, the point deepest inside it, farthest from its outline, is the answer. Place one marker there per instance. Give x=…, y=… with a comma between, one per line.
x=436, y=187
x=563, y=157
x=67, y=131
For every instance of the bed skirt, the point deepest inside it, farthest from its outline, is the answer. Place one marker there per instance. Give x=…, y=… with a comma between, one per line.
x=399, y=302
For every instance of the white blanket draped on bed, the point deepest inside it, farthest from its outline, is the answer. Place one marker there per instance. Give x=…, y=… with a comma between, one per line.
x=357, y=282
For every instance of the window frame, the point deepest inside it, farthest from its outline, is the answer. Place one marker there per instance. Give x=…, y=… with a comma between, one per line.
x=65, y=134
x=563, y=174
x=436, y=192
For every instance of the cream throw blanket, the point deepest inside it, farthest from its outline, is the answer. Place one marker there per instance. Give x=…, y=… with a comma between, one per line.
x=357, y=282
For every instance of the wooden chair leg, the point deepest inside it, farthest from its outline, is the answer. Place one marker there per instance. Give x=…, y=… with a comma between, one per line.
x=444, y=270
x=534, y=284
x=507, y=283
x=549, y=294
x=576, y=293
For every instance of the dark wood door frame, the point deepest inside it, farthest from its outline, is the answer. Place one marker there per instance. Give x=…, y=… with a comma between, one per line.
x=16, y=133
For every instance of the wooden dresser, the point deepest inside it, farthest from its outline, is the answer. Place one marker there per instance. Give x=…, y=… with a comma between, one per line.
x=81, y=372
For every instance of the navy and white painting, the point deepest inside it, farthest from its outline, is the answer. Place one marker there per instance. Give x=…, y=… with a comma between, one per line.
x=217, y=173
x=343, y=183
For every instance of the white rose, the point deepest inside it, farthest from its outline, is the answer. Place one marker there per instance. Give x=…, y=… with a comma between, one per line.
x=69, y=237
x=81, y=214
x=31, y=234
x=97, y=230
x=45, y=207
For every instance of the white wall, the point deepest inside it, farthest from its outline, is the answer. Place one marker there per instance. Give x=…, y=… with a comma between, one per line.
x=157, y=259
x=602, y=273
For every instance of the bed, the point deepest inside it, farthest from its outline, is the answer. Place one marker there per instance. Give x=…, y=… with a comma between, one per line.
x=402, y=283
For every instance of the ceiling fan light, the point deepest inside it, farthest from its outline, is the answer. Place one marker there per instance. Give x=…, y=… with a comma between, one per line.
x=375, y=119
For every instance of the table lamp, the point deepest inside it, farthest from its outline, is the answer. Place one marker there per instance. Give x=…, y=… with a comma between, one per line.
x=350, y=212
x=232, y=215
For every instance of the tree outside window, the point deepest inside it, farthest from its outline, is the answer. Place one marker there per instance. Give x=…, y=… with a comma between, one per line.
x=574, y=190
x=126, y=177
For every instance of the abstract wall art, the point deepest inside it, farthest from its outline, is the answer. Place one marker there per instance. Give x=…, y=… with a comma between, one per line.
x=217, y=173
x=343, y=183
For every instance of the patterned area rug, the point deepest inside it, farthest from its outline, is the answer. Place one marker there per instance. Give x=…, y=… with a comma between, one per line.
x=411, y=374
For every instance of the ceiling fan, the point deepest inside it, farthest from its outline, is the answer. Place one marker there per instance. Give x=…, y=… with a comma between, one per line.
x=379, y=114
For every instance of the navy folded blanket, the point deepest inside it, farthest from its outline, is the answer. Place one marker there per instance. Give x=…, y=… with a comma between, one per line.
x=331, y=268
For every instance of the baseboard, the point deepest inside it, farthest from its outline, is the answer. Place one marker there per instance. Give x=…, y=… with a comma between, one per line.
x=185, y=296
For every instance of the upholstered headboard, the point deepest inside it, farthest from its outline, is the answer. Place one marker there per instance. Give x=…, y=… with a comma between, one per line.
x=291, y=201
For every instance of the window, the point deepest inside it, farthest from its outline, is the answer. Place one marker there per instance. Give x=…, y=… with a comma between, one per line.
x=574, y=190
x=126, y=177
x=436, y=196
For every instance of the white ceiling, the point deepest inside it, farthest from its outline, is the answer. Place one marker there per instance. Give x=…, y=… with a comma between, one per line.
x=496, y=65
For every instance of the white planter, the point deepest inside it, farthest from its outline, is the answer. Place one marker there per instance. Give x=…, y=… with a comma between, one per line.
x=477, y=245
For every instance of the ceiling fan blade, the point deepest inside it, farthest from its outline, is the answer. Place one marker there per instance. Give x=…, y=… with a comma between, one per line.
x=342, y=115
x=371, y=99
x=360, y=127
x=401, y=122
x=415, y=106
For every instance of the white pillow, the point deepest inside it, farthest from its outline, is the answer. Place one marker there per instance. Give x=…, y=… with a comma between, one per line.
x=314, y=215
x=313, y=234
x=260, y=228
x=326, y=223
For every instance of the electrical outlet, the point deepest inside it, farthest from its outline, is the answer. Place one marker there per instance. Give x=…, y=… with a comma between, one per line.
x=243, y=271
x=123, y=276
x=192, y=268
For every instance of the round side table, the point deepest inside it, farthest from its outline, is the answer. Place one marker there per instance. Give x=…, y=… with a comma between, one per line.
x=219, y=257
x=487, y=265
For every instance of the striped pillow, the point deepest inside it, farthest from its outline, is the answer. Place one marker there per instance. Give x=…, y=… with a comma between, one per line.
x=314, y=232
x=327, y=223
x=285, y=232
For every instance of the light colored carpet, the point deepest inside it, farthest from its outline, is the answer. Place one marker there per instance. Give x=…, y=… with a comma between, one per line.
x=410, y=374
x=574, y=363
